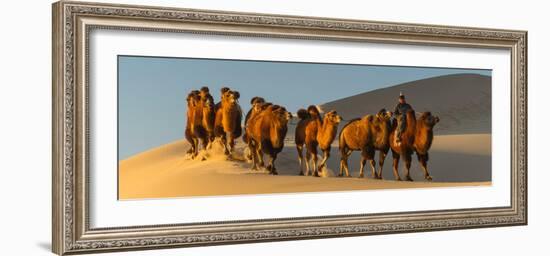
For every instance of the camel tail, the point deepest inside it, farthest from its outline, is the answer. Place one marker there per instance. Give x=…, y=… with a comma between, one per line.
x=302, y=114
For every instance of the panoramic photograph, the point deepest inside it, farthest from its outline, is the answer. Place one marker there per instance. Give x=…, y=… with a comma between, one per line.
x=213, y=127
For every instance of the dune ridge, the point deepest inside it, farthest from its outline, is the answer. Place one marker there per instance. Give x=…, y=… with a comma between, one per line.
x=462, y=101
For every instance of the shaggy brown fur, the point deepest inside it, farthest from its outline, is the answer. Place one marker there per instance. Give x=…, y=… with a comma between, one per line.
x=418, y=137
x=267, y=131
x=208, y=116
x=193, y=128
x=256, y=106
x=228, y=119
x=314, y=131
x=367, y=135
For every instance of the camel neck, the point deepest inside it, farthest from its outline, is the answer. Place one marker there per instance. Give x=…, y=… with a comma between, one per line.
x=327, y=133
x=329, y=128
x=278, y=132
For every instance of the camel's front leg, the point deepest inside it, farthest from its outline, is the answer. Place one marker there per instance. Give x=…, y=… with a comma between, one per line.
x=253, y=155
x=210, y=141
x=300, y=148
x=396, y=165
x=364, y=158
x=326, y=155
x=407, y=159
x=230, y=142
x=271, y=166
x=308, y=159
x=314, y=169
x=381, y=159
x=224, y=144
x=341, y=167
x=424, y=163
x=373, y=168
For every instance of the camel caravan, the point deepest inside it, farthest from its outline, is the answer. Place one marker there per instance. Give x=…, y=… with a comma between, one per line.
x=266, y=126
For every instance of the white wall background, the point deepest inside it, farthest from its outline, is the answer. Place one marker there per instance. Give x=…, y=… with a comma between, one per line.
x=25, y=133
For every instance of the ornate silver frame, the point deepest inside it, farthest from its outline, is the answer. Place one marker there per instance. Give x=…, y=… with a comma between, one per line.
x=72, y=21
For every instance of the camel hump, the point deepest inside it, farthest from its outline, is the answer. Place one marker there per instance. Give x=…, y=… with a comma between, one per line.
x=345, y=126
x=224, y=90
x=257, y=100
x=302, y=114
x=313, y=110
x=350, y=122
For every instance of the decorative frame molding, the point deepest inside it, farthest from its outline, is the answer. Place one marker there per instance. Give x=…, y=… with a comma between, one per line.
x=72, y=22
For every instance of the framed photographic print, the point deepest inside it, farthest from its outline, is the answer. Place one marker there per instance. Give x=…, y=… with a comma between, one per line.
x=179, y=127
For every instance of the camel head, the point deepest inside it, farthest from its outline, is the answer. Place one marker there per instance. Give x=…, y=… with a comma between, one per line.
x=193, y=98
x=257, y=100
x=384, y=115
x=257, y=103
x=265, y=106
x=280, y=113
x=224, y=90
x=231, y=97
x=204, y=92
x=428, y=119
x=208, y=102
x=313, y=110
x=285, y=114
x=333, y=117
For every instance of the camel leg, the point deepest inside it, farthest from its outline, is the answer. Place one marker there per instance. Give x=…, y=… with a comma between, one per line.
x=230, y=142
x=396, y=165
x=347, y=166
x=253, y=155
x=259, y=155
x=407, y=158
x=424, y=163
x=373, y=168
x=343, y=161
x=344, y=165
x=299, y=148
x=204, y=142
x=362, y=167
x=195, y=148
x=365, y=155
x=326, y=155
x=210, y=141
x=191, y=148
x=308, y=159
x=347, y=169
x=271, y=166
x=341, y=167
x=224, y=144
x=315, y=159
x=381, y=159
x=273, y=169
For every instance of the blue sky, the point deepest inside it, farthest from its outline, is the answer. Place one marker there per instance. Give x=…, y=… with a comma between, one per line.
x=152, y=90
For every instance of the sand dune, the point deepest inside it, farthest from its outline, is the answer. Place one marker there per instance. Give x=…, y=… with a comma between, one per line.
x=166, y=172
x=462, y=101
